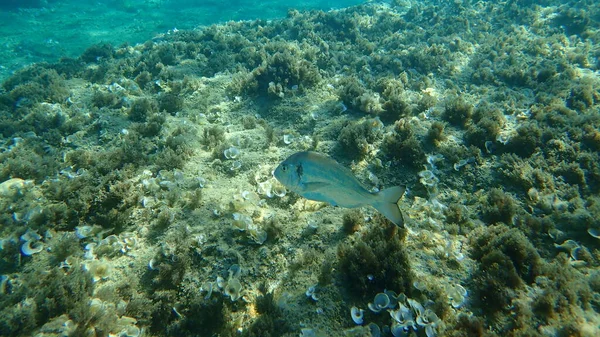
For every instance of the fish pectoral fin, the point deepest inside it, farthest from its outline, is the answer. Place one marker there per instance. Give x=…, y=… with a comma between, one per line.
x=313, y=187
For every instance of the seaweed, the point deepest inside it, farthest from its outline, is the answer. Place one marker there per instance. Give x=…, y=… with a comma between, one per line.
x=506, y=261
x=375, y=262
x=356, y=138
x=271, y=319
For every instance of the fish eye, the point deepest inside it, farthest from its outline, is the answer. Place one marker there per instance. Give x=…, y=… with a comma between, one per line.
x=284, y=168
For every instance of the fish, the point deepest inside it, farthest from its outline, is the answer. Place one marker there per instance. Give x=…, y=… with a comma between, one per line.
x=316, y=176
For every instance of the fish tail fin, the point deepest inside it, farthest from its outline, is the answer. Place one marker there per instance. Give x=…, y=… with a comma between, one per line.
x=387, y=204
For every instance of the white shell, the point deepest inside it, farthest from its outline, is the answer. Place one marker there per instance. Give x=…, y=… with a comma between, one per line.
x=279, y=191
x=29, y=248
x=83, y=232
x=399, y=330
x=594, y=232
x=231, y=153
x=288, y=139
x=31, y=236
x=130, y=331
x=357, y=315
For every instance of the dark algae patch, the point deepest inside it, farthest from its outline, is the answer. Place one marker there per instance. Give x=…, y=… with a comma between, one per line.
x=137, y=196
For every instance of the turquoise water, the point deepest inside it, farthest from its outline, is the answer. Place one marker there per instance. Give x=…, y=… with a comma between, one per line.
x=44, y=31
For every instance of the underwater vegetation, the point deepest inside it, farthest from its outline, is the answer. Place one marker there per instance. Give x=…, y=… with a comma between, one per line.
x=137, y=195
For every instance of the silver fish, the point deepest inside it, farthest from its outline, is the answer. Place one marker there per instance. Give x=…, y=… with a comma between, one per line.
x=318, y=177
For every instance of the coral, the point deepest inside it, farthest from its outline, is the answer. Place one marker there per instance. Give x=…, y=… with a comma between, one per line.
x=47, y=294
x=369, y=102
x=563, y=286
x=27, y=162
x=143, y=79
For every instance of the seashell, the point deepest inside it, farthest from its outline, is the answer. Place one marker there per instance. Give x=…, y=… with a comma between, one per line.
x=231, y=152
x=259, y=236
x=288, y=139
x=567, y=245
x=594, y=232
x=3, y=283
x=31, y=236
x=374, y=329
x=150, y=185
x=419, y=285
x=14, y=187
x=241, y=221
x=96, y=306
x=311, y=293
x=428, y=317
x=33, y=213
x=235, y=165
x=265, y=188
x=415, y=306
x=279, y=190
x=233, y=289
x=151, y=265
x=201, y=182
x=131, y=331
x=430, y=331
x=381, y=302
x=399, y=330
x=489, y=146
x=83, y=232
x=457, y=294
x=100, y=270
x=220, y=282
x=167, y=185
x=235, y=271
x=29, y=248
x=357, y=315
x=305, y=332
x=208, y=287
x=557, y=235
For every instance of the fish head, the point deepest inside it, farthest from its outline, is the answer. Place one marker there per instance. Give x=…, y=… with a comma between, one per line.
x=289, y=173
